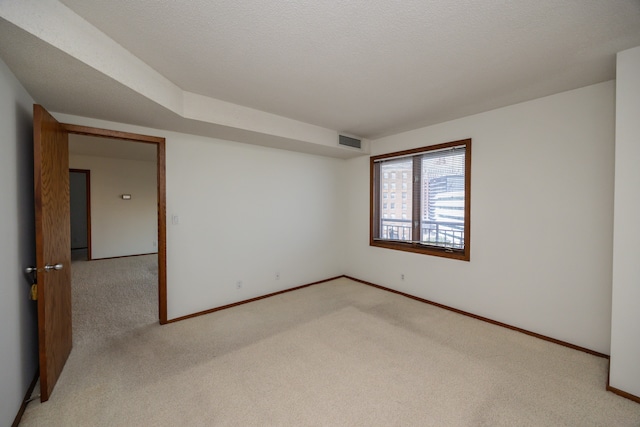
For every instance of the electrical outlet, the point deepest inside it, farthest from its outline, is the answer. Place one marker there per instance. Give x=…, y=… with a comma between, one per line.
x=401, y=276
x=277, y=275
x=239, y=284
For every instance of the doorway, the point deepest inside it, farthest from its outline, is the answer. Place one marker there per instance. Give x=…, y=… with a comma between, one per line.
x=53, y=246
x=160, y=238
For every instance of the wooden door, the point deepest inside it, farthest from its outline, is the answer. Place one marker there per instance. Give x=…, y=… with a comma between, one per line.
x=53, y=246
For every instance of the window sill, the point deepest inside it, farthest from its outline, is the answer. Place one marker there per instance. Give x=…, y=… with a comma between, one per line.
x=421, y=249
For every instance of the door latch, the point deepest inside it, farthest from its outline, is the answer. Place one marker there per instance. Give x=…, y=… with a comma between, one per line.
x=33, y=274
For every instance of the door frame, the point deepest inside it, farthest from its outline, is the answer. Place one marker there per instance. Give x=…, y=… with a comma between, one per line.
x=87, y=180
x=162, y=198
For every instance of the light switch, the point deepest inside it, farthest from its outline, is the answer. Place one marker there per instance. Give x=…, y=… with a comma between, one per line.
x=175, y=219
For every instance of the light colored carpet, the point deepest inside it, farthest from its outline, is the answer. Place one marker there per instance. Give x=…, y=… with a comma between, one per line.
x=334, y=354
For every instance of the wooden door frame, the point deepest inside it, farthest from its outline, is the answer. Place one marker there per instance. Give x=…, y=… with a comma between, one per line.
x=162, y=202
x=87, y=179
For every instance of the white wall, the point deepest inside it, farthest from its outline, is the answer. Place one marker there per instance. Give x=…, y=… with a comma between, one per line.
x=18, y=321
x=625, y=334
x=541, y=218
x=245, y=212
x=121, y=227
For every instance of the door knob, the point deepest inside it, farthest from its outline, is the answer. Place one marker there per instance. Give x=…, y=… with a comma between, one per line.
x=53, y=267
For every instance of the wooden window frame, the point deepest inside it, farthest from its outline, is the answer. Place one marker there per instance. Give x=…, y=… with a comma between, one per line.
x=375, y=200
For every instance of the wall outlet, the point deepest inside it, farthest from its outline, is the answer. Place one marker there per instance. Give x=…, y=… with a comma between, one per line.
x=277, y=275
x=401, y=276
x=239, y=284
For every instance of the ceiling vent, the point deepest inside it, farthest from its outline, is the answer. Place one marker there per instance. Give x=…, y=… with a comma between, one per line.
x=349, y=142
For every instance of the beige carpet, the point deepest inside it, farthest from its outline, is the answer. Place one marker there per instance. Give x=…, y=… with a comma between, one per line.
x=335, y=354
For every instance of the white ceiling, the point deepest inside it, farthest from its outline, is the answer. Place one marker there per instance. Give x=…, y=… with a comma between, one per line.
x=368, y=68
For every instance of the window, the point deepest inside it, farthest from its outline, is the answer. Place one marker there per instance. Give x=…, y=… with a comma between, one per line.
x=404, y=175
x=404, y=207
x=386, y=175
x=384, y=206
x=393, y=185
x=393, y=175
x=384, y=195
x=393, y=205
x=385, y=186
x=437, y=200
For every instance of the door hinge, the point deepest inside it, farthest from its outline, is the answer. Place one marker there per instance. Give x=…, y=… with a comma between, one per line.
x=33, y=295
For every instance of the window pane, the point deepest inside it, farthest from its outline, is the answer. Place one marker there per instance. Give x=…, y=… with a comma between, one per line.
x=392, y=226
x=442, y=191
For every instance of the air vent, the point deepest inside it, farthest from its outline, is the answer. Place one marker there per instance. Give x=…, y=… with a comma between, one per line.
x=349, y=142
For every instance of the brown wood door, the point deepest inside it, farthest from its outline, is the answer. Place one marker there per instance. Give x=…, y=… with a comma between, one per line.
x=53, y=246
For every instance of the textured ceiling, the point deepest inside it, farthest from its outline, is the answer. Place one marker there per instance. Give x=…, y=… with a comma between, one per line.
x=368, y=68
x=372, y=67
